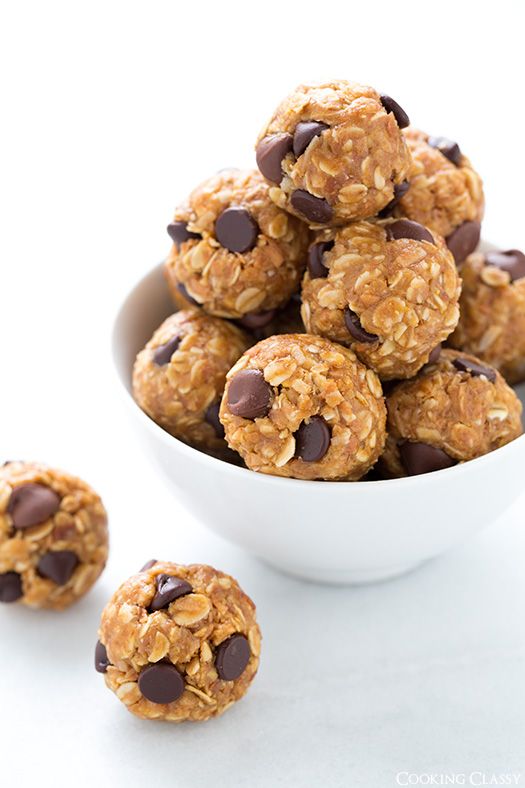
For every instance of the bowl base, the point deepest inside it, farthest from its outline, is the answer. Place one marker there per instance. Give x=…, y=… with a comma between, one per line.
x=344, y=577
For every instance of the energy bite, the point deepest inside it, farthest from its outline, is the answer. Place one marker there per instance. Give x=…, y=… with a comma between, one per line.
x=492, y=311
x=456, y=409
x=179, y=377
x=178, y=642
x=388, y=289
x=334, y=152
x=443, y=192
x=53, y=536
x=234, y=252
x=300, y=406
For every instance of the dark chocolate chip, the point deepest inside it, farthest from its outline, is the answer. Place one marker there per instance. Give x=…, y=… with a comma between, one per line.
x=434, y=356
x=236, y=229
x=315, y=209
x=405, y=228
x=169, y=588
x=163, y=353
x=464, y=240
x=304, y=134
x=312, y=439
x=269, y=155
x=253, y=320
x=31, y=504
x=355, y=328
x=161, y=683
x=448, y=148
x=400, y=189
x=249, y=394
x=477, y=370
x=212, y=418
x=101, y=658
x=10, y=587
x=316, y=266
x=148, y=565
x=399, y=113
x=232, y=657
x=182, y=290
x=420, y=458
x=178, y=232
x=58, y=565
x=512, y=261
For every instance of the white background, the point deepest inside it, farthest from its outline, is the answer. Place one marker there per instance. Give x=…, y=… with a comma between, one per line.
x=109, y=113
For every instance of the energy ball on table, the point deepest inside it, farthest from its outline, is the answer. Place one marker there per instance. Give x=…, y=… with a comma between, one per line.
x=492, y=311
x=300, y=406
x=53, y=536
x=334, y=152
x=178, y=642
x=443, y=192
x=179, y=377
x=389, y=290
x=234, y=252
x=456, y=409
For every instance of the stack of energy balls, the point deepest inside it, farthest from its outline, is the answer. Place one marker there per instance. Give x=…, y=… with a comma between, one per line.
x=316, y=294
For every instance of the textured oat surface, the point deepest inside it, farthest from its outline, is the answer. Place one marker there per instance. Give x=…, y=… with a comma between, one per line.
x=309, y=376
x=79, y=526
x=185, y=634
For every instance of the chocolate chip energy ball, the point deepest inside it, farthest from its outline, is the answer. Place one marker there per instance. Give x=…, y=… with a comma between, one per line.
x=443, y=192
x=301, y=406
x=53, y=536
x=179, y=377
x=492, y=311
x=456, y=409
x=178, y=642
x=389, y=290
x=334, y=152
x=234, y=252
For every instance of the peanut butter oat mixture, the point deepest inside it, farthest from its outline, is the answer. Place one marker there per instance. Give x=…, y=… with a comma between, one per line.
x=178, y=642
x=53, y=536
x=301, y=406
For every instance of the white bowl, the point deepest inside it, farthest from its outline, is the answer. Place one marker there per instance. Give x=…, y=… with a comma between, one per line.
x=333, y=532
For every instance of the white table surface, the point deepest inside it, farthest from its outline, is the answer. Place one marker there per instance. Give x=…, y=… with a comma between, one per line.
x=111, y=112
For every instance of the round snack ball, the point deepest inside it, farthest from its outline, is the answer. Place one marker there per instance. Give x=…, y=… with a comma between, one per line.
x=456, y=409
x=53, y=536
x=234, y=252
x=334, y=152
x=492, y=311
x=389, y=290
x=179, y=377
x=300, y=406
x=178, y=642
x=443, y=192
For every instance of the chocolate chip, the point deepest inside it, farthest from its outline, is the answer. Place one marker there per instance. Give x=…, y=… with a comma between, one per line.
x=315, y=209
x=184, y=293
x=31, y=504
x=236, y=229
x=399, y=113
x=448, y=148
x=148, y=565
x=434, y=356
x=420, y=458
x=232, y=657
x=304, y=134
x=161, y=683
x=58, y=565
x=400, y=189
x=355, y=328
x=178, y=232
x=269, y=155
x=169, y=588
x=512, y=261
x=464, y=240
x=10, y=587
x=253, y=320
x=101, y=658
x=163, y=353
x=249, y=394
x=316, y=266
x=477, y=370
x=211, y=417
x=312, y=439
x=405, y=228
